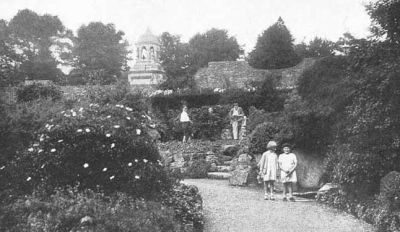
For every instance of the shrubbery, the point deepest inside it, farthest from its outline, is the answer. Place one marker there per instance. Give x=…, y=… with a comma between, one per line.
x=277, y=130
x=32, y=92
x=64, y=210
x=198, y=169
x=95, y=147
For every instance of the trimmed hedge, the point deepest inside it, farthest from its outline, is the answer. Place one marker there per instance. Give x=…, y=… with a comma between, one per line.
x=32, y=92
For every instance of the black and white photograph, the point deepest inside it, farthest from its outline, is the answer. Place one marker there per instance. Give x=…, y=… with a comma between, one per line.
x=199, y=115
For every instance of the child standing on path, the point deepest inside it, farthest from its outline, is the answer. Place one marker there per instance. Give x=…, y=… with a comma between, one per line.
x=268, y=166
x=287, y=164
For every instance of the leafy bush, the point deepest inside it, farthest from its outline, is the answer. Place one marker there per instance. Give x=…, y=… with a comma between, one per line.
x=373, y=210
x=278, y=131
x=64, y=210
x=198, y=169
x=95, y=147
x=187, y=204
x=19, y=123
x=32, y=92
x=358, y=174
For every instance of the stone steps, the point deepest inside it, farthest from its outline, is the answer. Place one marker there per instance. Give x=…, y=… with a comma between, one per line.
x=218, y=175
x=223, y=168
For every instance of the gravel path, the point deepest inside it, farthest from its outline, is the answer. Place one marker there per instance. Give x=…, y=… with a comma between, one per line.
x=241, y=209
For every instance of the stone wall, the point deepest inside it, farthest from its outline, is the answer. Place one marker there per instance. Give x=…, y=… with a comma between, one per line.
x=238, y=74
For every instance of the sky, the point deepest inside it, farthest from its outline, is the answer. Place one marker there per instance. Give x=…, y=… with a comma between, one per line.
x=244, y=19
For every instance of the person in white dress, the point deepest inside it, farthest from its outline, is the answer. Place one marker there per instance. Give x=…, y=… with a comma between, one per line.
x=185, y=122
x=288, y=163
x=268, y=166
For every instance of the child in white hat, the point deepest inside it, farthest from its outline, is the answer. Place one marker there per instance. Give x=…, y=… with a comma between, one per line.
x=268, y=168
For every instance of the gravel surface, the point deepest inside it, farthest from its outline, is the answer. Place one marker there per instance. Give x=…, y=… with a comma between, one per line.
x=229, y=208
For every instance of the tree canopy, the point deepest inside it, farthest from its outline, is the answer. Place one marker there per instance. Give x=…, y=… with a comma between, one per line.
x=274, y=48
x=213, y=45
x=100, y=52
x=317, y=47
x=30, y=40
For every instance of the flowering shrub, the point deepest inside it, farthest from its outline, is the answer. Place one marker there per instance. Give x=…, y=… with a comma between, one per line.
x=94, y=147
x=31, y=92
x=76, y=211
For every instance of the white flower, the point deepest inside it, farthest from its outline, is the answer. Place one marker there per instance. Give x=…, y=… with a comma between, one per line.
x=53, y=150
x=109, y=116
x=108, y=135
x=91, y=104
x=42, y=166
x=35, y=145
x=79, y=130
x=145, y=160
x=30, y=149
x=116, y=126
x=136, y=160
x=85, y=165
x=137, y=177
x=112, y=177
x=2, y=167
x=138, y=131
x=129, y=118
x=104, y=169
x=112, y=145
x=128, y=109
x=60, y=141
x=73, y=113
x=40, y=150
x=28, y=179
x=81, y=109
x=87, y=130
x=129, y=164
x=41, y=139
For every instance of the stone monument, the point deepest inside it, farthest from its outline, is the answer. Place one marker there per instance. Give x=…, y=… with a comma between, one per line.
x=147, y=70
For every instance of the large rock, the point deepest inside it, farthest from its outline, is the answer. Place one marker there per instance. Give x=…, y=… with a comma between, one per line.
x=239, y=177
x=310, y=169
x=230, y=150
x=326, y=188
x=241, y=169
x=390, y=189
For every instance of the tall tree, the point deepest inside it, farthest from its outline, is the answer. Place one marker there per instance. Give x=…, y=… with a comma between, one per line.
x=385, y=15
x=101, y=52
x=36, y=36
x=214, y=45
x=274, y=48
x=174, y=56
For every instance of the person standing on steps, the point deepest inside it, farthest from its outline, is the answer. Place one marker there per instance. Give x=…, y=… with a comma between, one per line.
x=236, y=116
x=288, y=163
x=185, y=123
x=268, y=166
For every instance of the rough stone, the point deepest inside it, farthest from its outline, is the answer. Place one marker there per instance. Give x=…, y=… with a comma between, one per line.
x=213, y=167
x=230, y=150
x=226, y=134
x=328, y=186
x=218, y=175
x=212, y=159
x=239, y=177
x=390, y=183
x=236, y=74
x=310, y=169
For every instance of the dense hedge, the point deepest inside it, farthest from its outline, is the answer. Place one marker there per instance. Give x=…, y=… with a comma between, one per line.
x=32, y=92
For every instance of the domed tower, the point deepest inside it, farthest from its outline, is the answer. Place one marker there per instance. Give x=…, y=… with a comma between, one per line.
x=147, y=69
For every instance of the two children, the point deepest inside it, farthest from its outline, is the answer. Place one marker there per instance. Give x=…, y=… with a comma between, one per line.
x=269, y=164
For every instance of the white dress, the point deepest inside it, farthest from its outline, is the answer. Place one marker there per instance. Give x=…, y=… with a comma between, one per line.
x=268, y=165
x=287, y=162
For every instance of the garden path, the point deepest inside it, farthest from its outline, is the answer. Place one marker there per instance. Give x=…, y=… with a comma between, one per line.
x=231, y=209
